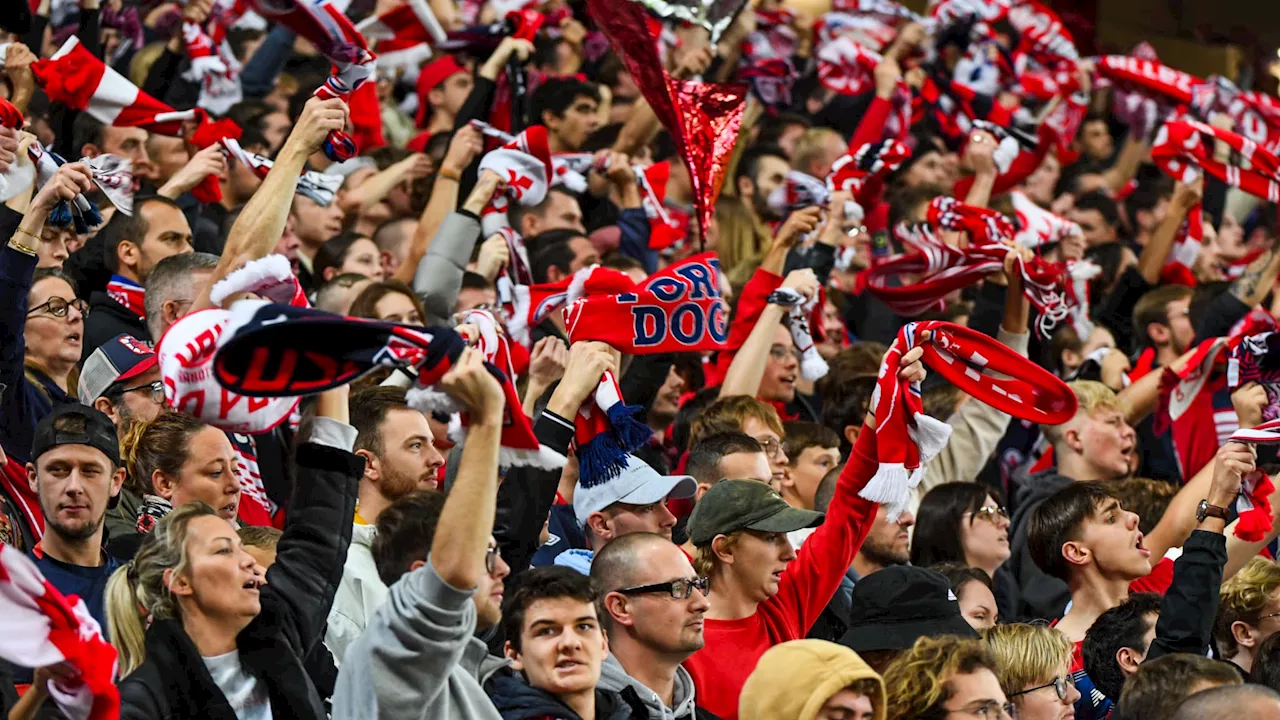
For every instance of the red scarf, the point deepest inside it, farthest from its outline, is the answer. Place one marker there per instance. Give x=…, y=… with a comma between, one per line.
x=906, y=438
x=863, y=170
x=129, y=294
x=1253, y=114
x=1254, y=502
x=532, y=307
x=1179, y=149
x=1150, y=76
x=680, y=309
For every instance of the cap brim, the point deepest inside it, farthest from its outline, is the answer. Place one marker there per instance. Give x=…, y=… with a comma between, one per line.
x=661, y=487
x=889, y=635
x=141, y=367
x=788, y=519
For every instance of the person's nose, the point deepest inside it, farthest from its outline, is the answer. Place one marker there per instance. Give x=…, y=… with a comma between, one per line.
x=500, y=568
x=434, y=458
x=1073, y=694
x=666, y=518
x=74, y=315
x=906, y=519
x=698, y=602
x=1131, y=520
x=788, y=552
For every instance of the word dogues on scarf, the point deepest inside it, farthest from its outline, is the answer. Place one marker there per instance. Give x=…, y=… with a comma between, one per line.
x=272, y=351
x=680, y=309
x=979, y=366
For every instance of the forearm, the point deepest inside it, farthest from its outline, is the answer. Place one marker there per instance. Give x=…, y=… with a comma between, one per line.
x=372, y=191
x=29, y=704
x=639, y=130
x=1156, y=252
x=1189, y=607
x=1127, y=163
x=1140, y=398
x=259, y=76
x=1016, y=309
x=747, y=369
x=1258, y=279
x=444, y=198
x=980, y=191
x=1179, y=518
x=462, y=534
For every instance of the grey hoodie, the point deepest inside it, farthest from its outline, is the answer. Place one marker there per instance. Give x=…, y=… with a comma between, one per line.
x=615, y=679
x=417, y=657
x=439, y=274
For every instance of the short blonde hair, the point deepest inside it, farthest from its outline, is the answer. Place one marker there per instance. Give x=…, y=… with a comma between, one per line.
x=811, y=145
x=1092, y=396
x=1242, y=599
x=1028, y=655
x=917, y=682
x=729, y=414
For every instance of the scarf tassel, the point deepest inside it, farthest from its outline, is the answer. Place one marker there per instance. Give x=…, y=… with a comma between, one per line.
x=87, y=216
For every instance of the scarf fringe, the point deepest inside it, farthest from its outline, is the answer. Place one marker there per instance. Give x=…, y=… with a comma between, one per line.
x=888, y=486
x=930, y=436
x=812, y=366
x=429, y=400
x=267, y=273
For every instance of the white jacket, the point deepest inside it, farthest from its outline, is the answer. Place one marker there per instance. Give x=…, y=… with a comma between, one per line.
x=359, y=594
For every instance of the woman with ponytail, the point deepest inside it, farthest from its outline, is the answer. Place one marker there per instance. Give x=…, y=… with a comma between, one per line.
x=173, y=460
x=201, y=632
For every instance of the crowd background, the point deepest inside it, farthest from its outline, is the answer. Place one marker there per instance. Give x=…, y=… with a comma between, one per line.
x=956, y=402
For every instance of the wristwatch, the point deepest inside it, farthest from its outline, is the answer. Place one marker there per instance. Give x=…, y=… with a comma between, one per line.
x=1205, y=510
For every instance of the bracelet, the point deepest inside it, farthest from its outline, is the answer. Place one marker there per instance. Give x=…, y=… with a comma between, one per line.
x=13, y=243
x=449, y=175
x=30, y=234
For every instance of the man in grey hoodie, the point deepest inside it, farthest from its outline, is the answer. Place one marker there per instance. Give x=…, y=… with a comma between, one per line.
x=418, y=656
x=652, y=606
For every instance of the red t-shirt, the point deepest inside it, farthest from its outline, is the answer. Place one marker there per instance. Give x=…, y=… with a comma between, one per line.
x=733, y=647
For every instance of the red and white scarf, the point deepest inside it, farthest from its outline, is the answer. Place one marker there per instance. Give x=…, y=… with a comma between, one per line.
x=906, y=438
x=524, y=164
x=804, y=322
x=1253, y=114
x=129, y=294
x=1179, y=150
x=1253, y=505
x=40, y=627
x=214, y=67
x=862, y=172
x=546, y=298
x=513, y=284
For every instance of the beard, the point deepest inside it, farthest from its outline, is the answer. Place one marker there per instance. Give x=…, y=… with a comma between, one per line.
x=81, y=531
x=396, y=484
x=883, y=554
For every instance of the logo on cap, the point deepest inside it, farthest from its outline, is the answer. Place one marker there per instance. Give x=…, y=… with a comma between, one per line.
x=135, y=345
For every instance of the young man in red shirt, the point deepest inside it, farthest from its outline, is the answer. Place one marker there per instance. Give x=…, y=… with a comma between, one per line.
x=763, y=591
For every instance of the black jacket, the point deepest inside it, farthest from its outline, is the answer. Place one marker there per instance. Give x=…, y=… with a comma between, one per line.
x=1191, y=602
x=517, y=700
x=174, y=683
x=107, y=319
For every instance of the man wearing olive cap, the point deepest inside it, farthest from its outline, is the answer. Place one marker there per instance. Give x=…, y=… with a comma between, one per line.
x=764, y=592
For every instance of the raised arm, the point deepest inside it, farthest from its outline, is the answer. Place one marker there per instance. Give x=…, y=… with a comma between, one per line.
x=438, y=276
x=310, y=556
x=261, y=222
x=1156, y=253
x=463, y=148
x=748, y=366
x=1127, y=164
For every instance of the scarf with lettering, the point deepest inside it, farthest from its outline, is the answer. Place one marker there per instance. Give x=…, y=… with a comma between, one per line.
x=128, y=293
x=680, y=309
x=987, y=370
x=1253, y=114
x=271, y=351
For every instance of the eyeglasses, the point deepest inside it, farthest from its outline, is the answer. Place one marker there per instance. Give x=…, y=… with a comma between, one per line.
x=782, y=353
x=1271, y=615
x=990, y=513
x=491, y=560
x=988, y=710
x=57, y=307
x=156, y=388
x=1060, y=685
x=772, y=446
x=678, y=589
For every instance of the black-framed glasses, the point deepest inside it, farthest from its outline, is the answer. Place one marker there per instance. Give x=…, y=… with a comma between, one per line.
x=1060, y=686
x=57, y=307
x=991, y=513
x=491, y=560
x=156, y=388
x=1269, y=615
x=678, y=589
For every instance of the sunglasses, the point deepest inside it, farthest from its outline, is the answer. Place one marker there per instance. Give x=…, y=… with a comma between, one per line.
x=678, y=589
x=991, y=513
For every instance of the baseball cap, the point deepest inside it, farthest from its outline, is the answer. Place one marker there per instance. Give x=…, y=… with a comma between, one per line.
x=121, y=358
x=895, y=606
x=732, y=505
x=98, y=433
x=431, y=75
x=637, y=484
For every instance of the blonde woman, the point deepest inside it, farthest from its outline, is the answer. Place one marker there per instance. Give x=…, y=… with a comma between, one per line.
x=201, y=632
x=1034, y=670
x=946, y=677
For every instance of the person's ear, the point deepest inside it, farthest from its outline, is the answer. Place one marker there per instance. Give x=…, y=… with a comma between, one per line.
x=720, y=547
x=1072, y=438
x=1129, y=659
x=1244, y=635
x=105, y=407
x=598, y=524
x=163, y=484
x=1076, y=553
x=554, y=275
x=435, y=96
x=702, y=490
x=615, y=604
x=416, y=564
x=1070, y=360
x=127, y=254
x=117, y=482
x=371, y=470
x=178, y=585
x=550, y=120
x=746, y=188
x=90, y=150
x=1158, y=332
x=513, y=656
x=329, y=273
x=31, y=478
x=851, y=433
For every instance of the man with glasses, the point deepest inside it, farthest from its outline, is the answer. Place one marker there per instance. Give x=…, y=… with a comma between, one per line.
x=652, y=605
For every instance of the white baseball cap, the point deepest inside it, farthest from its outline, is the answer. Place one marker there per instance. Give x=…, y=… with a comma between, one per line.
x=637, y=484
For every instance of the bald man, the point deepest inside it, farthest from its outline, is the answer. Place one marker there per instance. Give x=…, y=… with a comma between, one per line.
x=653, y=606
x=1231, y=702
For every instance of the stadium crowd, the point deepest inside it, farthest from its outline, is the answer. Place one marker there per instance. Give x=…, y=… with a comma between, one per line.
x=422, y=359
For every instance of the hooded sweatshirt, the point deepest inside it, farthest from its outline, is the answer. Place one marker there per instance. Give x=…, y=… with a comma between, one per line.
x=515, y=699
x=1040, y=596
x=794, y=680
x=615, y=679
